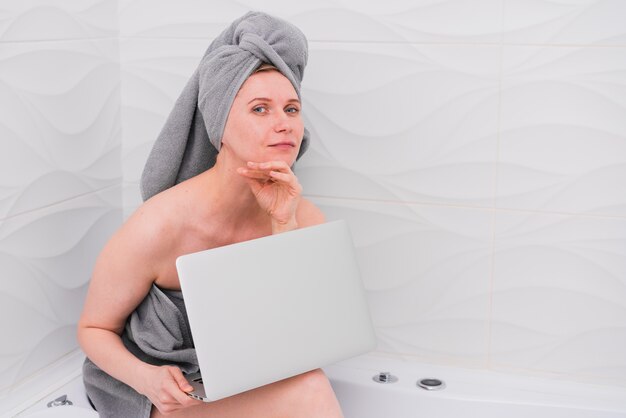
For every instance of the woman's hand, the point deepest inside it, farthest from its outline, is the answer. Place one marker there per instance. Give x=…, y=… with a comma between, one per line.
x=277, y=191
x=166, y=388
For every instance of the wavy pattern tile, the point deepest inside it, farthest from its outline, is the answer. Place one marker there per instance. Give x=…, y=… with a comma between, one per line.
x=31, y=20
x=596, y=22
x=60, y=124
x=559, y=302
x=402, y=122
x=586, y=22
x=46, y=259
x=426, y=270
x=331, y=20
x=567, y=154
x=184, y=19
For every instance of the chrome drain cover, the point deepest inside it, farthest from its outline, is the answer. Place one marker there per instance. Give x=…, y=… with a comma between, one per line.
x=431, y=383
x=385, y=377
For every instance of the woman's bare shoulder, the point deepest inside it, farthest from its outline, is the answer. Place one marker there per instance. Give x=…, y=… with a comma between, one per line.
x=156, y=218
x=129, y=264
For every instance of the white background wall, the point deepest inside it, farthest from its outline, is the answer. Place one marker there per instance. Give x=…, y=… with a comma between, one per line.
x=60, y=174
x=477, y=149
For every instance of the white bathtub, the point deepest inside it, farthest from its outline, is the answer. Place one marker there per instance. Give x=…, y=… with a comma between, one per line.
x=468, y=393
x=30, y=399
x=74, y=391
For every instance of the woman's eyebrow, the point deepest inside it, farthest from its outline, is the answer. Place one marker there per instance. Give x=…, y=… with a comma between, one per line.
x=267, y=99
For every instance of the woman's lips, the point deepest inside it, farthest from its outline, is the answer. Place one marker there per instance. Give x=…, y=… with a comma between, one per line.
x=283, y=145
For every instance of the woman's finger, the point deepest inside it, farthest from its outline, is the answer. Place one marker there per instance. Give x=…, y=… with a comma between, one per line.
x=179, y=388
x=254, y=174
x=289, y=179
x=181, y=397
x=270, y=165
x=181, y=380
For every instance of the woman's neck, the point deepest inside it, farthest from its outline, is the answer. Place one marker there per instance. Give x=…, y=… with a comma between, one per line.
x=229, y=195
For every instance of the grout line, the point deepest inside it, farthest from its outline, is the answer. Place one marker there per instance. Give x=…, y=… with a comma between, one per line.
x=208, y=39
x=550, y=213
x=470, y=207
x=337, y=41
x=60, y=202
x=59, y=40
x=495, y=43
x=492, y=267
x=434, y=43
x=391, y=201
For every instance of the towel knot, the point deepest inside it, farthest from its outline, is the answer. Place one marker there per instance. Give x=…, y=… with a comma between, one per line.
x=257, y=46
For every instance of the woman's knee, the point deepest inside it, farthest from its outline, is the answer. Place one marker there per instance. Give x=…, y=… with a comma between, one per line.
x=316, y=395
x=315, y=378
x=314, y=384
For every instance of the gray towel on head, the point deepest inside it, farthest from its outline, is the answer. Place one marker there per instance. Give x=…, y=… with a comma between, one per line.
x=158, y=333
x=191, y=137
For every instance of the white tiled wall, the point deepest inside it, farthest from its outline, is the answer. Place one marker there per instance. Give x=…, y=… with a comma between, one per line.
x=582, y=22
x=477, y=149
x=402, y=122
x=60, y=173
x=563, y=130
x=426, y=269
x=559, y=294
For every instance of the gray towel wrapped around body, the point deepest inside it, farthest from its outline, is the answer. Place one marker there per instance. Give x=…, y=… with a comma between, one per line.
x=158, y=333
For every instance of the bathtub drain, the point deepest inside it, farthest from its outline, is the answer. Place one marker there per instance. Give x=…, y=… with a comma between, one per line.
x=431, y=384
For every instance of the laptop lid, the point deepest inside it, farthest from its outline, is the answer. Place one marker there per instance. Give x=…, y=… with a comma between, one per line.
x=274, y=307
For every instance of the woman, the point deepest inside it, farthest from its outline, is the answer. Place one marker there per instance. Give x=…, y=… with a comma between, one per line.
x=250, y=192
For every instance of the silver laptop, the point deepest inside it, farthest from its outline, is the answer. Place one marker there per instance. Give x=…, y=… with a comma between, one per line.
x=267, y=309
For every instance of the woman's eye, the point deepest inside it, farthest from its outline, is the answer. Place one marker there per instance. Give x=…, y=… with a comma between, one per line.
x=292, y=110
x=259, y=109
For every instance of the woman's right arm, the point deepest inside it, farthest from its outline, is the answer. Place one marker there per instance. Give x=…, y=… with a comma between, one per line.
x=122, y=277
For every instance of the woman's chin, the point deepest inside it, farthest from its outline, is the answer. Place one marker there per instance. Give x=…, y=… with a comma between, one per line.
x=286, y=154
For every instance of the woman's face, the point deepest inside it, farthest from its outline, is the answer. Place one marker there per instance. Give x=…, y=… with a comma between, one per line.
x=264, y=123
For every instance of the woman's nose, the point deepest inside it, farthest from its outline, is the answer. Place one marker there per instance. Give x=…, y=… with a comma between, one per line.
x=283, y=123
